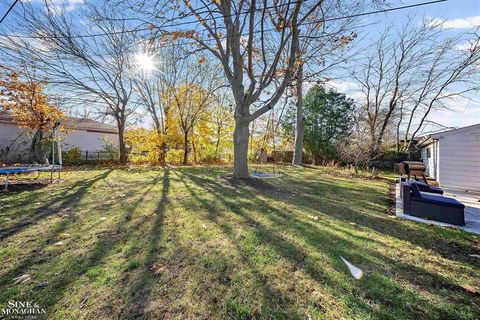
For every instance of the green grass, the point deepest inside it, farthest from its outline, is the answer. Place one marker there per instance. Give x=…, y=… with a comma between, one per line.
x=184, y=243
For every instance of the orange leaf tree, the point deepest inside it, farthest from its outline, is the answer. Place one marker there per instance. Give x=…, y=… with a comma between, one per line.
x=24, y=99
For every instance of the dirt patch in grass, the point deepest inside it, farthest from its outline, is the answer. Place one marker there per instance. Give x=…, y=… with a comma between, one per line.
x=23, y=185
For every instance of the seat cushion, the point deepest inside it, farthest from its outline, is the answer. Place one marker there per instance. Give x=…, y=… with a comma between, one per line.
x=426, y=188
x=438, y=199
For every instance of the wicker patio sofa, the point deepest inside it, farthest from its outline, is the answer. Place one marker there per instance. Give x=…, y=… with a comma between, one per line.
x=432, y=206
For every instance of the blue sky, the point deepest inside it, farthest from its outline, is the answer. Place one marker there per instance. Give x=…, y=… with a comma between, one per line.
x=457, y=14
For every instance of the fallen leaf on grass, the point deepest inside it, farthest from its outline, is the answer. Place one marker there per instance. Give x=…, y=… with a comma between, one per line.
x=469, y=288
x=313, y=217
x=59, y=243
x=353, y=224
x=157, y=268
x=84, y=302
x=22, y=279
x=103, y=218
x=64, y=235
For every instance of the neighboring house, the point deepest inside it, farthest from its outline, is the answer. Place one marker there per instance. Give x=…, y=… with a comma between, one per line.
x=85, y=134
x=452, y=157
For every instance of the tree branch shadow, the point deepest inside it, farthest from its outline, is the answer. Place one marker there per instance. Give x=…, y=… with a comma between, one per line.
x=138, y=292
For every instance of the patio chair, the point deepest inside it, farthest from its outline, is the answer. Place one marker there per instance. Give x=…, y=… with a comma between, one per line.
x=432, y=206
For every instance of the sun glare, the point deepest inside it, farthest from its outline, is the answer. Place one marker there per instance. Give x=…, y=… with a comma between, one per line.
x=145, y=62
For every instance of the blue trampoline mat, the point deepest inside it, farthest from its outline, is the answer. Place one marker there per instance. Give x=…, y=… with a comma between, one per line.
x=6, y=170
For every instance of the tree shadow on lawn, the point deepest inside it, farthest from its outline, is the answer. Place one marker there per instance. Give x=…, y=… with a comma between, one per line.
x=346, y=205
x=349, y=205
x=38, y=256
x=59, y=202
x=22, y=186
x=139, y=289
x=72, y=264
x=391, y=296
x=275, y=301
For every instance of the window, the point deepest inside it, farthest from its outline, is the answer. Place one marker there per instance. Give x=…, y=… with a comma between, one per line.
x=429, y=153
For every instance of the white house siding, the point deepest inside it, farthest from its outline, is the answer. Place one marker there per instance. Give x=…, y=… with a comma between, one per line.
x=459, y=160
x=15, y=139
x=8, y=133
x=88, y=140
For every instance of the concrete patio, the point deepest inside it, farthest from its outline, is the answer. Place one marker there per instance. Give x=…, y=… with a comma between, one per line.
x=472, y=210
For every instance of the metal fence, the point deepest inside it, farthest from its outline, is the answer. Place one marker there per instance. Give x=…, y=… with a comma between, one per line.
x=98, y=156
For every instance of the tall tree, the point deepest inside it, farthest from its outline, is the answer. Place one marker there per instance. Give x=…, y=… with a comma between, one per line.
x=221, y=116
x=327, y=119
x=191, y=98
x=299, y=120
x=323, y=47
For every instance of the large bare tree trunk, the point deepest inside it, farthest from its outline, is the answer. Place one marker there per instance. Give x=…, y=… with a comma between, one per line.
x=123, y=150
x=299, y=126
x=121, y=139
x=240, y=149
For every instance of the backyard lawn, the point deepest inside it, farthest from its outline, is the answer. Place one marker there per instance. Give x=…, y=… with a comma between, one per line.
x=185, y=243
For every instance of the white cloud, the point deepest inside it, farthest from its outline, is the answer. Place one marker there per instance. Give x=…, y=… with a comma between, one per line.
x=342, y=86
x=17, y=41
x=66, y=5
x=463, y=46
x=349, y=88
x=460, y=23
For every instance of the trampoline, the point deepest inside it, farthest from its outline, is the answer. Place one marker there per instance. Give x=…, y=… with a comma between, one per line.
x=37, y=168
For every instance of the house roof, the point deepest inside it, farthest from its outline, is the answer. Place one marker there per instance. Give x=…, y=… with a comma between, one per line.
x=445, y=133
x=73, y=123
x=88, y=125
x=427, y=140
